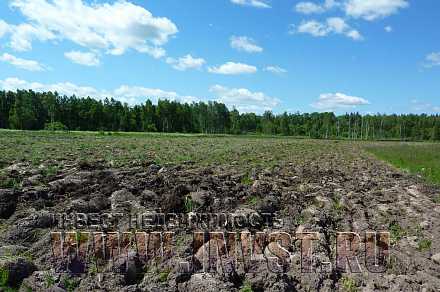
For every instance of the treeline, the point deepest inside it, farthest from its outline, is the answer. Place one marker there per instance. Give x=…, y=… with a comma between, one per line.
x=29, y=110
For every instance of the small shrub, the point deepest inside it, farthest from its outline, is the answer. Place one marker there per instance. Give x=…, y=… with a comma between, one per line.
x=55, y=126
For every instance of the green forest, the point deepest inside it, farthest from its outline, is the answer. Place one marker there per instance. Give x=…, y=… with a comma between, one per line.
x=29, y=110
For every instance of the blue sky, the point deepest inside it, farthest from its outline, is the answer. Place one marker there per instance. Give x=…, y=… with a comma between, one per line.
x=342, y=55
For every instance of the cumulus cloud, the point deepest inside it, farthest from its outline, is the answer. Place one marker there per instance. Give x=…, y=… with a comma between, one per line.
x=186, y=62
x=311, y=7
x=83, y=58
x=231, y=68
x=333, y=25
x=24, y=34
x=253, y=3
x=112, y=27
x=388, y=28
x=243, y=99
x=373, y=9
x=245, y=44
x=29, y=65
x=275, y=70
x=129, y=94
x=338, y=101
x=432, y=60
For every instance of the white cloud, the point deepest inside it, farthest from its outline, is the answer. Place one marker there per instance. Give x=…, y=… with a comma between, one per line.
x=29, y=65
x=24, y=34
x=112, y=27
x=432, y=60
x=244, y=99
x=424, y=107
x=130, y=94
x=231, y=68
x=310, y=7
x=338, y=101
x=334, y=25
x=253, y=3
x=83, y=58
x=373, y=9
x=275, y=69
x=388, y=28
x=186, y=62
x=246, y=44
x=4, y=28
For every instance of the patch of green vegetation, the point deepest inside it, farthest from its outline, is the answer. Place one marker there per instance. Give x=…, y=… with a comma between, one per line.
x=349, y=284
x=424, y=244
x=49, y=171
x=246, y=287
x=396, y=232
x=246, y=180
x=337, y=205
x=10, y=183
x=437, y=199
x=49, y=280
x=163, y=275
x=4, y=279
x=81, y=237
x=189, y=204
x=300, y=220
x=253, y=200
x=70, y=284
x=417, y=158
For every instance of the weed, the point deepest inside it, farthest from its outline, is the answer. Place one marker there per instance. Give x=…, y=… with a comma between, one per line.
x=424, y=244
x=437, y=199
x=253, y=200
x=49, y=171
x=246, y=287
x=70, y=284
x=246, y=180
x=10, y=183
x=189, y=204
x=349, y=284
x=396, y=232
x=81, y=237
x=163, y=275
x=4, y=277
x=49, y=280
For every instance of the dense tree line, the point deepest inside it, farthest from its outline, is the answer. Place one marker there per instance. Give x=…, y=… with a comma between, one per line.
x=29, y=110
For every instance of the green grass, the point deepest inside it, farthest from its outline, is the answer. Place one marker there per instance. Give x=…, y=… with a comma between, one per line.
x=424, y=244
x=417, y=158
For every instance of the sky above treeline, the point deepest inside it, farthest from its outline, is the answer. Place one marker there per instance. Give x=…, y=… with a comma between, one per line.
x=367, y=56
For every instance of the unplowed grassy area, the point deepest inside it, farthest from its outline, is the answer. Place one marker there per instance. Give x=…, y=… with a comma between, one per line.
x=418, y=158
